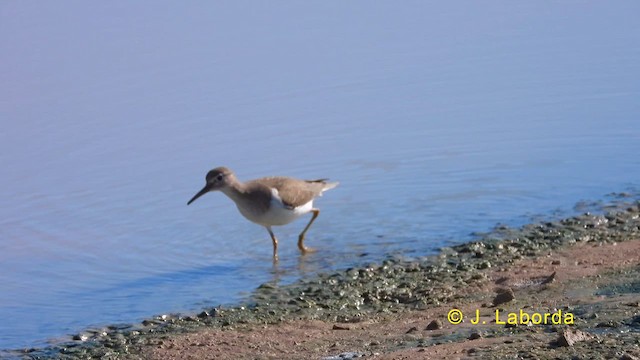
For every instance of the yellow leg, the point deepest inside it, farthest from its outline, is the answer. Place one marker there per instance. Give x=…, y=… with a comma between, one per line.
x=275, y=243
x=301, y=246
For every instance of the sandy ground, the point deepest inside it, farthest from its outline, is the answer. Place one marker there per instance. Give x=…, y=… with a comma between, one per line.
x=568, y=280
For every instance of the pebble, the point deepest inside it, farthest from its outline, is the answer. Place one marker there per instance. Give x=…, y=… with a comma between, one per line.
x=434, y=325
x=504, y=296
x=569, y=337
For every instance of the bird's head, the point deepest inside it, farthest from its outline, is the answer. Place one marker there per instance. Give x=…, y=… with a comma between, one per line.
x=216, y=179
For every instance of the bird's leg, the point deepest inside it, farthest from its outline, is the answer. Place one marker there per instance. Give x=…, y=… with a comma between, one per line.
x=301, y=246
x=275, y=243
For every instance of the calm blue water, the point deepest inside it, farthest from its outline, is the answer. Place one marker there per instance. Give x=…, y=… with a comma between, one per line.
x=438, y=119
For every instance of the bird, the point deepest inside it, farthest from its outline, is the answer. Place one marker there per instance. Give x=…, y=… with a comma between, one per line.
x=269, y=201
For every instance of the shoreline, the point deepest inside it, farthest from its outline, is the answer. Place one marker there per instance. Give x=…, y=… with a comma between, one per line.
x=533, y=268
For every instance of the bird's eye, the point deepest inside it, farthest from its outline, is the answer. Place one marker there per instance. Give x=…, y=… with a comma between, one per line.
x=219, y=177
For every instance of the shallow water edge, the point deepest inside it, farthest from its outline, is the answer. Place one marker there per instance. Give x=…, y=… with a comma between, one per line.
x=393, y=286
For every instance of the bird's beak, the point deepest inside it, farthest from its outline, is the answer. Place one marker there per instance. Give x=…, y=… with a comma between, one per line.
x=204, y=190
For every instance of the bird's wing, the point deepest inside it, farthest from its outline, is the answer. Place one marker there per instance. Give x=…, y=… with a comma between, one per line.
x=294, y=192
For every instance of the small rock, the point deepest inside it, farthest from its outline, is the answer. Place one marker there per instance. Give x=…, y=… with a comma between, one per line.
x=556, y=262
x=412, y=330
x=550, y=279
x=628, y=357
x=434, y=325
x=340, y=327
x=119, y=327
x=81, y=337
x=475, y=335
x=504, y=296
x=569, y=337
x=606, y=324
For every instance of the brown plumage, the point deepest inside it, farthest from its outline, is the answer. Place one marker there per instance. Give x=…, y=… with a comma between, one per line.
x=293, y=192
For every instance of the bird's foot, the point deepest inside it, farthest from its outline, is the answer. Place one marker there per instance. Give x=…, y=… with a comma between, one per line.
x=306, y=250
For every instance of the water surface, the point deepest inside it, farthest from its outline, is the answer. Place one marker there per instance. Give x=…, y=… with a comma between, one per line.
x=438, y=120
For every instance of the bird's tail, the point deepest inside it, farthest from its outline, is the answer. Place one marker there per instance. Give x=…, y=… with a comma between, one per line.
x=330, y=185
x=326, y=185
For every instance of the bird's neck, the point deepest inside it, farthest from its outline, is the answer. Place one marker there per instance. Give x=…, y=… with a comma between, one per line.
x=251, y=203
x=235, y=190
